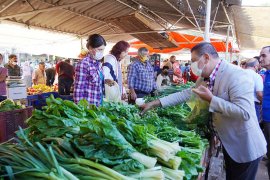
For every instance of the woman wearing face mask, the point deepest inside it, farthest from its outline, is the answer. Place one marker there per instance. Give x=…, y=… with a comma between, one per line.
x=89, y=78
x=3, y=76
x=112, y=65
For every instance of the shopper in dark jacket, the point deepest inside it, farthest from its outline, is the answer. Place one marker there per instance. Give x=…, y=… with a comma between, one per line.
x=65, y=77
x=50, y=74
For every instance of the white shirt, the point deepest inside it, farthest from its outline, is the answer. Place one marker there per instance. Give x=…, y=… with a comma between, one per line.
x=160, y=78
x=258, y=82
x=27, y=70
x=115, y=65
x=113, y=61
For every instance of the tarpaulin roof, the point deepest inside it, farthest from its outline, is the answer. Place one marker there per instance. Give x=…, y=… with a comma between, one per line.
x=184, y=41
x=84, y=17
x=252, y=26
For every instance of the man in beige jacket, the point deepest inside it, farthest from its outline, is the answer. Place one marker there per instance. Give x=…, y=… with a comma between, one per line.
x=230, y=94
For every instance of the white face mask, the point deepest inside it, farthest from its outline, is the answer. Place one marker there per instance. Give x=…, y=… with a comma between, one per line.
x=98, y=56
x=14, y=63
x=195, y=69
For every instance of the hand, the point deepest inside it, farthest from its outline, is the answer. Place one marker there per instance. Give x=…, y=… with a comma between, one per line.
x=133, y=95
x=148, y=106
x=109, y=82
x=155, y=92
x=124, y=96
x=181, y=81
x=204, y=93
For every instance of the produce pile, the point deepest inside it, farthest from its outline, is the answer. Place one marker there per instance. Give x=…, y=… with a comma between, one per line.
x=69, y=141
x=191, y=115
x=41, y=88
x=9, y=105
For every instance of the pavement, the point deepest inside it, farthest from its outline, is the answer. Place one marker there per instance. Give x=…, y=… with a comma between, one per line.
x=217, y=171
x=262, y=171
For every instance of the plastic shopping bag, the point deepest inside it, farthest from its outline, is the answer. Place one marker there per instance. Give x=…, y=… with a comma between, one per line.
x=112, y=93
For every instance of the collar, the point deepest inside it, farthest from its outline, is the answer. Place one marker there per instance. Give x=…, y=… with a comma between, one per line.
x=93, y=61
x=212, y=76
x=143, y=63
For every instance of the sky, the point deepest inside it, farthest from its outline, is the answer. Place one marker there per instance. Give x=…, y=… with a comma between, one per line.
x=33, y=40
x=256, y=2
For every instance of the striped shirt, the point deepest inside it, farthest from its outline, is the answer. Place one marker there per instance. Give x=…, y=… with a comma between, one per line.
x=88, y=82
x=141, y=76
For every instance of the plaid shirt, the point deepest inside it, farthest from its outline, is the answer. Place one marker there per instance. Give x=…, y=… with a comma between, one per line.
x=212, y=77
x=88, y=83
x=211, y=82
x=141, y=76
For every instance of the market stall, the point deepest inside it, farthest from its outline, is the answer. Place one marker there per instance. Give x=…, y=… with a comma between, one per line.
x=113, y=141
x=64, y=140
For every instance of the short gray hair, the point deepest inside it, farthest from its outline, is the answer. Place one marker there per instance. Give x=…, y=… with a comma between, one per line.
x=267, y=47
x=252, y=62
x=205, y=48
x=141, y=50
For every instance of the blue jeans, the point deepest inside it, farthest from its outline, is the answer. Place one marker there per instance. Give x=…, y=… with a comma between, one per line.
x=258, y=108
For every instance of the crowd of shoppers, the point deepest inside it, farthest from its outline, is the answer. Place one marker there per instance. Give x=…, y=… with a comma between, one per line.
x=238, y=93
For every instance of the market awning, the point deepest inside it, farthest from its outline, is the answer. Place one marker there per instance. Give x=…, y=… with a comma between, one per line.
x=84, y=17
x=252, y=26
x=184, y=41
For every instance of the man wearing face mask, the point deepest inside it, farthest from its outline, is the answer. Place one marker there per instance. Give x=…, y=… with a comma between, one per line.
x=163, y=79
x=141, y=76
x=89, y=78
x=13, y=68
x=252, y=66
x=230, y=93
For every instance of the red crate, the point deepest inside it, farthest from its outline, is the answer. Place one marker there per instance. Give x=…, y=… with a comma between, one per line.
x=11, y=120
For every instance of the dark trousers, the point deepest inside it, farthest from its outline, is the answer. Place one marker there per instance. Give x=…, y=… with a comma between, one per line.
x=240, y=171
x=258, y=108
x=64, y=85
x=266, y=131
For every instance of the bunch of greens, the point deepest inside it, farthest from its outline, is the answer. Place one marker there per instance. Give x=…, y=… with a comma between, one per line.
x=9, y=105
x=191, y=115
x=53, y=161
x=100, y=135
x=164, y=128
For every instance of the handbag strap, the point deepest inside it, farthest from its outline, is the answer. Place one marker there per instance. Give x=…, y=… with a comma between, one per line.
x=108, y=65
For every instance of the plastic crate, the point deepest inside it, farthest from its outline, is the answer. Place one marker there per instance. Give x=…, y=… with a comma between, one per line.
x=31, y=99
x=39, y=104
x=46, y=95
x=66, y=97
x=2, y=98
x=11, y=120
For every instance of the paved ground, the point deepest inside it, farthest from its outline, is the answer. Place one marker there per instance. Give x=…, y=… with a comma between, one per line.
x=216, y=171
x=262, y=172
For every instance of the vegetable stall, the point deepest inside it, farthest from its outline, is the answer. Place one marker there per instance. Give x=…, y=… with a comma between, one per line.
x=64, y=140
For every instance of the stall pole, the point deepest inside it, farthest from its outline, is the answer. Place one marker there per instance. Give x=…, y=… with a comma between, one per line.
x=227, y=42
x=207, y=21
